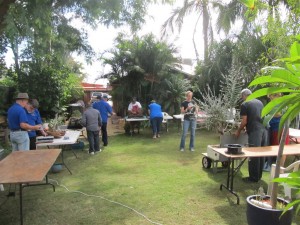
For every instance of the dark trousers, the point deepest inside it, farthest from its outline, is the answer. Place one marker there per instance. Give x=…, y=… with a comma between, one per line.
x=32, y=145
x=156, y=124
x=104, y=133
x=93, y=138
x=256, y=164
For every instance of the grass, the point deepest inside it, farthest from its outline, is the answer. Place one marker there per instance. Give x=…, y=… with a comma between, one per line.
x=151, y=176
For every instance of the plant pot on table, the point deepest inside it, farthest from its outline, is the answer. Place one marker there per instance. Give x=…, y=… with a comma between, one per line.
x=258, y=215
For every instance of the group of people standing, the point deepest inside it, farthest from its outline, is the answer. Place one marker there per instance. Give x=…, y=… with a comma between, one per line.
x=24, y=121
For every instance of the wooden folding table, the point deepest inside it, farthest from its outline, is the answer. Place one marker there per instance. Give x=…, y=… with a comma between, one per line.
x=266, y=151
x=26, y=168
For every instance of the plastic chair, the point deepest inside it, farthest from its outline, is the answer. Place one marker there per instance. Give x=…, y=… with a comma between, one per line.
x=283, y=173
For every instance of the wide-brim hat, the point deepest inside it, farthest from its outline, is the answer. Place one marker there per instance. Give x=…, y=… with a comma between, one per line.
x=22, y=96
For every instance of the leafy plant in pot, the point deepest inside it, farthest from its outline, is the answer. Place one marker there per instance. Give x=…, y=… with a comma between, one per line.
x=282, y=78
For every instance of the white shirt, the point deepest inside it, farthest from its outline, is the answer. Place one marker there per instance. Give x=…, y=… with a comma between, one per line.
x=136, y=104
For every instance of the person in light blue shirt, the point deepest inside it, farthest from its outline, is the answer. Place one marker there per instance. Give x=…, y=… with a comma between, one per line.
x=34, y=118
x=156, y=118
x=105, y=109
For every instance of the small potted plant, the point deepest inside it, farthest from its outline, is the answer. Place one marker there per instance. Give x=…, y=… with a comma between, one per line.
x=283, y=78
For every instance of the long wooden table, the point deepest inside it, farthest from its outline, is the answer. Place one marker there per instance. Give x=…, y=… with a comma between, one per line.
x=70, y=137
x=266, y=151
x=25, y=167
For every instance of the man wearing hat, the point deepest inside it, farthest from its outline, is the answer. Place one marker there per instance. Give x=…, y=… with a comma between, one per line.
x=104, y=108
x=257, y=134
x=18, y=123
x=34, y=118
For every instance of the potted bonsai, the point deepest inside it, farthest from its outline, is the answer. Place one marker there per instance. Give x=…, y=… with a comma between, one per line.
x=283, y=78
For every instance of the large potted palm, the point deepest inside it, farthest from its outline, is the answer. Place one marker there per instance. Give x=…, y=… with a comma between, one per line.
x=283, y=78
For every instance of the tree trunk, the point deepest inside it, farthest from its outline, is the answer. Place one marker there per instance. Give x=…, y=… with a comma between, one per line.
x=274, y=190
x=205, y=28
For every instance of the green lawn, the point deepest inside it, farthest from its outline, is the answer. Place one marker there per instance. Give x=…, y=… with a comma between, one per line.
x=151, y=176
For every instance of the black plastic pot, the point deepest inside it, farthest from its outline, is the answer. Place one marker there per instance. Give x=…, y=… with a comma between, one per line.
x=257, y=215
x=234, y=149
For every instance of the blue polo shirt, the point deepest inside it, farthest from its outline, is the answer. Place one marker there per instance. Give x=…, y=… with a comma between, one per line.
x=34, y=118
x=16, y=115
x=155, y=110
x=104, y=109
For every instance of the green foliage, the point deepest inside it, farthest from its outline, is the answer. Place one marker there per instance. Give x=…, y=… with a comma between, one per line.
x=139, y=67
x=282, y=79
x=293, y=180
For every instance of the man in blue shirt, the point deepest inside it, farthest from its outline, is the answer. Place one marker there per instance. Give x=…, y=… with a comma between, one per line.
x=34, y=118
x=104, y=108
x=18, y=123
x=156, y=118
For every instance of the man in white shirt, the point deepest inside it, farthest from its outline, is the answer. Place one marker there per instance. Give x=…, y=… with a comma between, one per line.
x=134, y=108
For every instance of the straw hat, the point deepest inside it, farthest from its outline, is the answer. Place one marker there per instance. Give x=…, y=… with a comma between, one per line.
x=22, y=96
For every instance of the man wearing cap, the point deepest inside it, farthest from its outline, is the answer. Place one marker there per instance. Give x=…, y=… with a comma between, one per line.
x=18, y=123
x=34, y=118
x=104, y=108
x=257, y=134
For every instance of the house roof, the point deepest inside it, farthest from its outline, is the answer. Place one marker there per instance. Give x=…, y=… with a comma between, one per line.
x=95, y=87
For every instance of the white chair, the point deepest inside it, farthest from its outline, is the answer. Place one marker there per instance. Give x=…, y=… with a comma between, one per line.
x=165, y=121
x=283, y=173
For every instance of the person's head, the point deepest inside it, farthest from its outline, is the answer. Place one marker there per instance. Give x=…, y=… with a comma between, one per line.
x=273, y=96
x=189, y=95
x=99, y=97
x=22, y=99
x=31, y=105
x=105, y=97
x=153, y=101
x=245, y=93
x=133, y=100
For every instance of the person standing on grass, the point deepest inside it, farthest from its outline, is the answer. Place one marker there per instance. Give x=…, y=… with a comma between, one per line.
x=257, y=133
x=156, y=118
x=34, y=118
x=91, y=119
x=190, y=111
x=104, y=108
x=18, y=123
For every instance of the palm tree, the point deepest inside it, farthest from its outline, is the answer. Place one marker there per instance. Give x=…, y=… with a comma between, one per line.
x=202, y=8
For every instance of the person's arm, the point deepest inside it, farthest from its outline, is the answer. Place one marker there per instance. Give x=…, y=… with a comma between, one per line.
x=26, y=126
x=109, y=109
x=242, y=126
x=99, y=120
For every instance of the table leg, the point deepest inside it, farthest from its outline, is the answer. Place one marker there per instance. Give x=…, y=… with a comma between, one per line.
x=63, y=161
x=39, y=184
x=230, y=176
x=21, y=203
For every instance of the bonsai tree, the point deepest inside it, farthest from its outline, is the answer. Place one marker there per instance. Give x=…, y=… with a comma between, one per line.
x=282, y=78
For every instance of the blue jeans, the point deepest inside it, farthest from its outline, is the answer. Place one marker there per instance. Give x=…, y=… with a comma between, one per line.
x=93, y=138
x=186, y=125
x=19, y=140
x=156, y=124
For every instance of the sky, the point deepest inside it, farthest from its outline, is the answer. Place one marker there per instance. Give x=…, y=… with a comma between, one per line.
x=102, y=38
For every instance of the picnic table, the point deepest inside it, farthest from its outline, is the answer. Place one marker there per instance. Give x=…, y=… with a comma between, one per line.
x=27, y=167
x=70, y=137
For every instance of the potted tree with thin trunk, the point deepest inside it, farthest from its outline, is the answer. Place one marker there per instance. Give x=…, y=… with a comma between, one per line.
x=284, y=78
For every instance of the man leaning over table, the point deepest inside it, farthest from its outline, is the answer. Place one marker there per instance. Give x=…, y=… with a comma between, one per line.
x=18, y=123
x=257, y=134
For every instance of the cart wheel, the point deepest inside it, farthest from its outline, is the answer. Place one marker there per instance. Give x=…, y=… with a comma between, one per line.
x=206, y=162
x=225, y=164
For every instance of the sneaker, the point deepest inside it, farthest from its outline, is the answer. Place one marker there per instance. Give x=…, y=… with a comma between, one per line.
x=182, y=149
x=158, y=136
x=96, y=152
x=192, y=149
x=154, y=136
x=91, y=153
